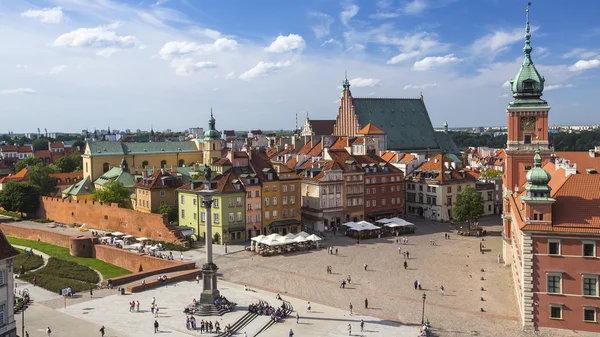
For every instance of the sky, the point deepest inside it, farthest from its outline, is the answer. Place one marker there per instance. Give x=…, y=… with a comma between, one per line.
x=68, y=65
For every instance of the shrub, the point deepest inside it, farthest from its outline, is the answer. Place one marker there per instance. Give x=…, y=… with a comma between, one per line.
x=28, y=262
x=60, y=274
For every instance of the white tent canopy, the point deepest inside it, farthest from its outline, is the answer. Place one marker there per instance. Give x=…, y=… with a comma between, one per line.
x=142, y=239
x=303, y=234
x=284, y=240
x=118, y=234
x=313, y=237
x=384, y=221
x=257, y=238
x=290, y=236
x=127, y=236
x=300, y=239
x=361, y=226
x=270, y=241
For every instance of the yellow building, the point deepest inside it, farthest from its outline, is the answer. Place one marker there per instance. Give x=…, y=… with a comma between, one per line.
x=156, y=190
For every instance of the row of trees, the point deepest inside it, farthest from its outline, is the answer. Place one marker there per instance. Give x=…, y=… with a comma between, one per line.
x=562, y=141
x=66, y=164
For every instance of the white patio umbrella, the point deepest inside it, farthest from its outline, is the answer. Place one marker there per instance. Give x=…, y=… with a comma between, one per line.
x=300, y=239
x=257, y=238
x=285, y=240
x=118, y=234
x=273, y=236
x=290, y=236
x=313, y=237
x=303, y=234
x=384, y=221
x=127, y=236
x=142, y=239
x=270, y=242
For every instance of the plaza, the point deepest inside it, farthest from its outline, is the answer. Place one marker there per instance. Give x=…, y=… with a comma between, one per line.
x=395, y=307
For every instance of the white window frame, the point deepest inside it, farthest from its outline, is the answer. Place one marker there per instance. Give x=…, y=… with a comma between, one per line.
x=203, y=216
x=292, y=188
x=231, y=217
x=182, y=199
x=556, y=306
x=589, y=276
x=559, y=246
x=583, y=243
x=267, y=215
x=595, y=314
x=216, y=217
x=2, y=277
x=163, y=193
x=559, y=274
x=239, y=216
x=292, y=199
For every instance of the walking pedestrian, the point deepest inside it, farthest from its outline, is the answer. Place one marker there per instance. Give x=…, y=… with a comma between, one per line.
x=405, y=265
x=362, y=325
x=48, y=331
x=197, y=279
x=350, y=307
x=91, y=292
x=291, y=333
x=297, y=317
x=155, y=326
x=399, y=250
x=419, y=285
x=137, y=304
x=34, y=281
x=407, y=255
x=366, y=303
x=156, y=312
x=365, y=267
x=349, y=329
x=442, y=290
x=416, y=283
x=348, y=278
x=336, y=251
x=102, y=331
x=308, y=307
x=181, y=255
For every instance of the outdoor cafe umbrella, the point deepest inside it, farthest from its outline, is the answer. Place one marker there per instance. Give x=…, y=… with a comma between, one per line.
x=313, y=237
x=118, y=234
x=258, y=238
x=290, y=236
x=142, y=239
x=303, y=234
x=270, y=241
x=300, y=239
x=127, y=236
x=285, y=240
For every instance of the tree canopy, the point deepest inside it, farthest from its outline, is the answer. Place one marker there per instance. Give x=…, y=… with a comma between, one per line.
x=31, y=161
x=491, y=173
x=40, y=144
x=19, y=197
x=70, y=163
x=113, y=191
x=469, y=205
x=39, y=176
x=169, y=210
x=561, y=141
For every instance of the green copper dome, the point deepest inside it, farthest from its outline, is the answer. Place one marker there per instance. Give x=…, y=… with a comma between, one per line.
x=528, y=84
x=211, y=133
x=537, y=181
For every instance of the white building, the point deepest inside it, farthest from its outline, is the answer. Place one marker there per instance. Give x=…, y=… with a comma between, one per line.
x=8, y=327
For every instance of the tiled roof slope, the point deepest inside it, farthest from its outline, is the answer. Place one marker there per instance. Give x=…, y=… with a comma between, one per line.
x=446, y=144
x=578, y=203
x=119, y=148
x=84, y=186
x=154, y=181
x=322, y=127
x=405, y=121
x=431, y=170
x=371, y=129
x=6, y=250
x=582, y=159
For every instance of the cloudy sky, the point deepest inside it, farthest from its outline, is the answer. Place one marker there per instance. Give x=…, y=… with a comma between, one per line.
x=68, y=65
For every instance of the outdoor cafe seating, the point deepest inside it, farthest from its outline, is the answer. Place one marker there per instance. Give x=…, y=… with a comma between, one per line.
x=274, y=244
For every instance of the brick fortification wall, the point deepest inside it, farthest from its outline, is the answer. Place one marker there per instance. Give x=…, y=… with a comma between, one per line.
x=107, y=217
x=37, y=234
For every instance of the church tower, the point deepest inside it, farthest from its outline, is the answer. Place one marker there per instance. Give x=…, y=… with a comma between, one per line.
x=527, y=120
x=346, y=123
x=212, y=142
x=537, y=201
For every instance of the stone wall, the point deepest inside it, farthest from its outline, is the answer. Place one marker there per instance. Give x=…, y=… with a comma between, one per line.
x=137, y=262
x=108, y=217
x=36, y=234
x=174, y=278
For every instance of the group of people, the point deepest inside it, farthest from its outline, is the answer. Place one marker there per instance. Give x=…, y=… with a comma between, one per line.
x=208, y=326
x=263, y=308
x=162, y=278
x=224, y=303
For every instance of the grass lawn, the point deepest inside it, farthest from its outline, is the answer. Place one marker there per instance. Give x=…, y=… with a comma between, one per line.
x=28, y=262
x=107, y=270
x=59, y=274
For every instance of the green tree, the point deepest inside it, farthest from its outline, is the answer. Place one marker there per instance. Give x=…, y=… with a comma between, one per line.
x=169, y=210
x=80, y=144
x=40, y=144
x=491, y=173
x=19, y=197
x=469, y=205
x=113, y=191
x=31, y=161
x=39, y=176
x=69, y=163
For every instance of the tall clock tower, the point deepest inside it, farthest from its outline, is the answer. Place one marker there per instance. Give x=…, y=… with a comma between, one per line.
x=527, y=121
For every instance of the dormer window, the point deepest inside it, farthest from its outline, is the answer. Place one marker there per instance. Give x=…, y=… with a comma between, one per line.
x=528, y=86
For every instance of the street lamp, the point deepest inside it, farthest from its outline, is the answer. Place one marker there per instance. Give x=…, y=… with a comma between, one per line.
x=423, y=313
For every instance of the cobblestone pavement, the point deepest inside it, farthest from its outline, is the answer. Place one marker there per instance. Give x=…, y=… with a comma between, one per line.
x=456, y=264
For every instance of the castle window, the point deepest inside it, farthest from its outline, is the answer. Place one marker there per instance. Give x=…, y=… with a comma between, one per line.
x=163, y=163
x=554, y=247
x=214, y=146
x=181, y=162
x=105, y=167
x=527, y=139
x=589, y=248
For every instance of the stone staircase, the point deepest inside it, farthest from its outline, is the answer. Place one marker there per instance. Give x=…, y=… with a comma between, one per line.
x=288, y=309
x=210, y=310
x=239, y=324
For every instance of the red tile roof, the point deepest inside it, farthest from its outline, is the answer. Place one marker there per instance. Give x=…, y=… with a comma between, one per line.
x=57, y=145
x=62, y=177
x=306, y=148
x=25, y=149
x=431, y=170
x=317, y=150
x=389, y=156
x=371, y=129
x=9, y=148
x=582, y=159
x=17, y=177
x=155, y=181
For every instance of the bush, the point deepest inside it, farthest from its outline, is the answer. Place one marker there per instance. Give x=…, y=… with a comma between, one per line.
x=28, y=262
x=11, y=214
x=41, y=220
x=60, y=274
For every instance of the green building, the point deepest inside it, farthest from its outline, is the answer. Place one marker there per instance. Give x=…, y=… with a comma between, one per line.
x=228, y=211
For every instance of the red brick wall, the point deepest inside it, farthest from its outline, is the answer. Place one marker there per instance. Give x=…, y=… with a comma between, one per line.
x=132, y=261
x=183, y=276
x=107, y=217
x=35, y=234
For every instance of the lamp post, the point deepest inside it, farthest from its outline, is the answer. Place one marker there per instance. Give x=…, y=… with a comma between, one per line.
x=423, y=312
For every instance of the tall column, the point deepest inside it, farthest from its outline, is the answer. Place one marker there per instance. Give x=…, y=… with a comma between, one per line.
x=209, y=269
x=207, y=201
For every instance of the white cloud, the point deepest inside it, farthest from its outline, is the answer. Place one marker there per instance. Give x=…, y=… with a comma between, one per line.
x=101, y=36
x=357, y=47
x=18, y=91
x=350, y=10
x=323, y=27
x=574, y=52
x=557, y=86
x=230, y=75
x=188, y=67
x=503, y=96
x=22, y=66
x=262, y=69
x=364, y=82
x=107, y=52
x=45, y=15
x=286, y=43
x=434, y=61
x=403, y=57
x=506, y=84
x=422, y=86
x=415, y=7
x=584, y=65
x=498, y=41
x=178, y=48
x=57, y=69
x=331, y=41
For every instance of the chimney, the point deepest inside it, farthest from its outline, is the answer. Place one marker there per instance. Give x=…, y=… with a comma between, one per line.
x=144, y=174
x=421, y=97
x=593, y=153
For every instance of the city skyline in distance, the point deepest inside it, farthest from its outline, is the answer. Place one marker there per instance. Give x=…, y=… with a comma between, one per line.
x=84, y=63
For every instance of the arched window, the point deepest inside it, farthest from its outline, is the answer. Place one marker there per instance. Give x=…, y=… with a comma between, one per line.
x=86, y=167
x=163, y=163
x=214, y=146
x=144, y=164
x=105, y=167
x=181, y=163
